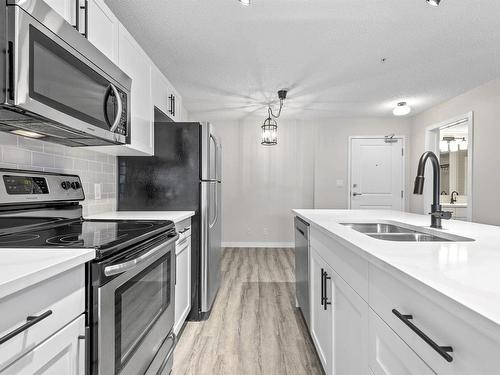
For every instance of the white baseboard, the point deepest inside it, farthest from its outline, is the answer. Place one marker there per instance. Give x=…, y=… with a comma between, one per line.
x=258, y=244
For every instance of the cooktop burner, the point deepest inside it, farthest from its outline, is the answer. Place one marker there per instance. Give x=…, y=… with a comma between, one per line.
x=106, y=236
x=13, y=238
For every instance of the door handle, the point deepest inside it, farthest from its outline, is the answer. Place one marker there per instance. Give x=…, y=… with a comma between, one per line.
x=356, y=194
x=173, y=337
x=216, y=217
x=326, y=302
x=30, y=321
x=116, y=122
x=442, y=350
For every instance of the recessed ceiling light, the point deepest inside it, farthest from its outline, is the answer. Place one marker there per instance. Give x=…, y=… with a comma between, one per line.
x=27, y=133
x=401, y=109
x=245, y=2
x=434, y=3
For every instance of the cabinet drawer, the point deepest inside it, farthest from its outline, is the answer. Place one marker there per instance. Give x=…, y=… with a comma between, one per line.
x=350, y=266
x=444, y=322
x=388, y=354
x=61, y=299
x=63, y=353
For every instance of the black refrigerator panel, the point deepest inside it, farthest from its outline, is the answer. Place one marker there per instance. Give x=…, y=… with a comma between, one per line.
x=167, y=181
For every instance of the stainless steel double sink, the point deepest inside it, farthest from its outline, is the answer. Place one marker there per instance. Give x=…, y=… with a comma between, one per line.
x=404, y=233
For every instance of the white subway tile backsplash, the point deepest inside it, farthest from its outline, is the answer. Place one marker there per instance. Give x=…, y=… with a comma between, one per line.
x=92, y=167
x=81, y=165
x=39, y=159
x=30, y=144
x=16, y=155
x=7, y=139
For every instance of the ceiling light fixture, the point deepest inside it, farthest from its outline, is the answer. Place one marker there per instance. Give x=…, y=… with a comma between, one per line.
x=245, y=2
x=434, y=3
x=270, y=126
x=402, y=109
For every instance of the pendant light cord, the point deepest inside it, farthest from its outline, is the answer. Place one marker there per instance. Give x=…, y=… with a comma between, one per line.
x=270, y=110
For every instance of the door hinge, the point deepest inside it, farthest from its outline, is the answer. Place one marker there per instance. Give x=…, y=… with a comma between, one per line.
x=402, y=152
x=402, y=193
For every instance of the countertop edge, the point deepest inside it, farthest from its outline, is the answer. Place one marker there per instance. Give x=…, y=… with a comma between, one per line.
x=39, y=275
x=175, y=216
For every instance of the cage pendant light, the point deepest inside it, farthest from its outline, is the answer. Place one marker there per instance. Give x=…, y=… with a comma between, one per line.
x=269, y=132
x=270, y=126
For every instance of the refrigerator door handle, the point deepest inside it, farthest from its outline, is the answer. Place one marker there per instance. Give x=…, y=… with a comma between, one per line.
x=216, y=166
x=216, y=217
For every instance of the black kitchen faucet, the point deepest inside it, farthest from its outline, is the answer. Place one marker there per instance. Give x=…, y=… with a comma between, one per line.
x=437, y=214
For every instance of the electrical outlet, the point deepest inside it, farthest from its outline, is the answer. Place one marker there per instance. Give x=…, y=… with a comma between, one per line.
x=249, y=231
x=266, y=232
x=97, y=191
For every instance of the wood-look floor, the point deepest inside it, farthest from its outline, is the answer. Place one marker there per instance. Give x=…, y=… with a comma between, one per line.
x=254, y=327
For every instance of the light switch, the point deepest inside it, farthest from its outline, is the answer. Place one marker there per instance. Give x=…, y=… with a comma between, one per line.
x=340, y=183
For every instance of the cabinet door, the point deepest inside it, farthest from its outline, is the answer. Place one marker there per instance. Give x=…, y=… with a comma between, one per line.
x=62, y=353
x=103, y=29
x=321, y=319
x=66, y=8
x=134, y=62
x=160, y=90
x=350, y=328
x=182, y=283
x=388, y=354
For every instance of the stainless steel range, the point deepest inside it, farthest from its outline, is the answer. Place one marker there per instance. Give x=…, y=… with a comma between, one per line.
x=130, y=304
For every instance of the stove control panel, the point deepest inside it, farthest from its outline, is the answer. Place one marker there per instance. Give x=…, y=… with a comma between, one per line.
x=30, y=186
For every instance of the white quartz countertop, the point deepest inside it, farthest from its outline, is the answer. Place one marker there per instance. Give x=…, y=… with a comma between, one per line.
x=175, y=216
x=467, y=272
x=22, y=268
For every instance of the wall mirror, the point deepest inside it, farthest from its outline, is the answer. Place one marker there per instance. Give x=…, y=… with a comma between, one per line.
x=452, y=142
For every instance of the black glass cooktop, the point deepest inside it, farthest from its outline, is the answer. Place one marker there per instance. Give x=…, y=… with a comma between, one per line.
x=103, y=235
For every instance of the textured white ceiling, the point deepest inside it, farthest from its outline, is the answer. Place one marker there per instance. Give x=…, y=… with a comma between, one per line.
x=228, y=60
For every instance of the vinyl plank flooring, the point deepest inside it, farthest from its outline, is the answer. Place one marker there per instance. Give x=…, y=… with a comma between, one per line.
x=254, y=328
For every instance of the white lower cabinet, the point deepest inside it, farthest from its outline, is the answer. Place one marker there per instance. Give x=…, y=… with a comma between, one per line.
x=321, y=318
x=339, y=321
x=382, y=322
x=182, y=274
x=62, y=353
x=389, y=355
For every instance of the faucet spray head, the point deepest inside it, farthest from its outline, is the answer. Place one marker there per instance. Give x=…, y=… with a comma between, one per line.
x=419, y=185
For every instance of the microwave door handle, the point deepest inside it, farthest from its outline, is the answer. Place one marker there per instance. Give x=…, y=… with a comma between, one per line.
x=115, y=269
x=116, y=122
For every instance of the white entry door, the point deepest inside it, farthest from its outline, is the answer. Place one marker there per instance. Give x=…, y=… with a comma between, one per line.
x=377, y=166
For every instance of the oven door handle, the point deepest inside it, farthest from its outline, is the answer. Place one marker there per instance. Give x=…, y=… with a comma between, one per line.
x=115, y=269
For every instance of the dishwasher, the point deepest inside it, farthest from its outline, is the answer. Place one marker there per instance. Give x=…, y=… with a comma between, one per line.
x=302, y=267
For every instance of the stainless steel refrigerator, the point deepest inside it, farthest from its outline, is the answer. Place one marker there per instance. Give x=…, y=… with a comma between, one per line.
x=183, y=174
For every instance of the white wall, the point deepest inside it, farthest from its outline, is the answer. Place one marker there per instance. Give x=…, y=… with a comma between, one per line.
x=331, y=154
x=484, y=101
x=262, y=184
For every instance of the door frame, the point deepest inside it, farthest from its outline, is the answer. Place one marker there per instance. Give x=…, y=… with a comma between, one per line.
x=349, y=166
x=432, y=145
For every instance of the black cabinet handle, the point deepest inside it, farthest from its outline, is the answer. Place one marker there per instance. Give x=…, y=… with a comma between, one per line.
x=173, y=105
x=11, y=70
x=31, y=321
x=326, y=302
x=322, y=286
x=442, y=350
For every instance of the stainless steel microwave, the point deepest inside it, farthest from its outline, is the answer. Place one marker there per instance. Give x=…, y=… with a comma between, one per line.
x=57, y=86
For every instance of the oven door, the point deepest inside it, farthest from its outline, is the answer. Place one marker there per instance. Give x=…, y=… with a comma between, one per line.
x=136, y=310
x=50, y=78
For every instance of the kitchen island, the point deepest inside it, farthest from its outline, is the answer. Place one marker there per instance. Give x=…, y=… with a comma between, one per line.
x=403, y=307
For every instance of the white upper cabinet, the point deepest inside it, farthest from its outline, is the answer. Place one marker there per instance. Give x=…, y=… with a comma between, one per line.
x=66, y=8
x=134, y=62
x=165, y=98
x=103, y=29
